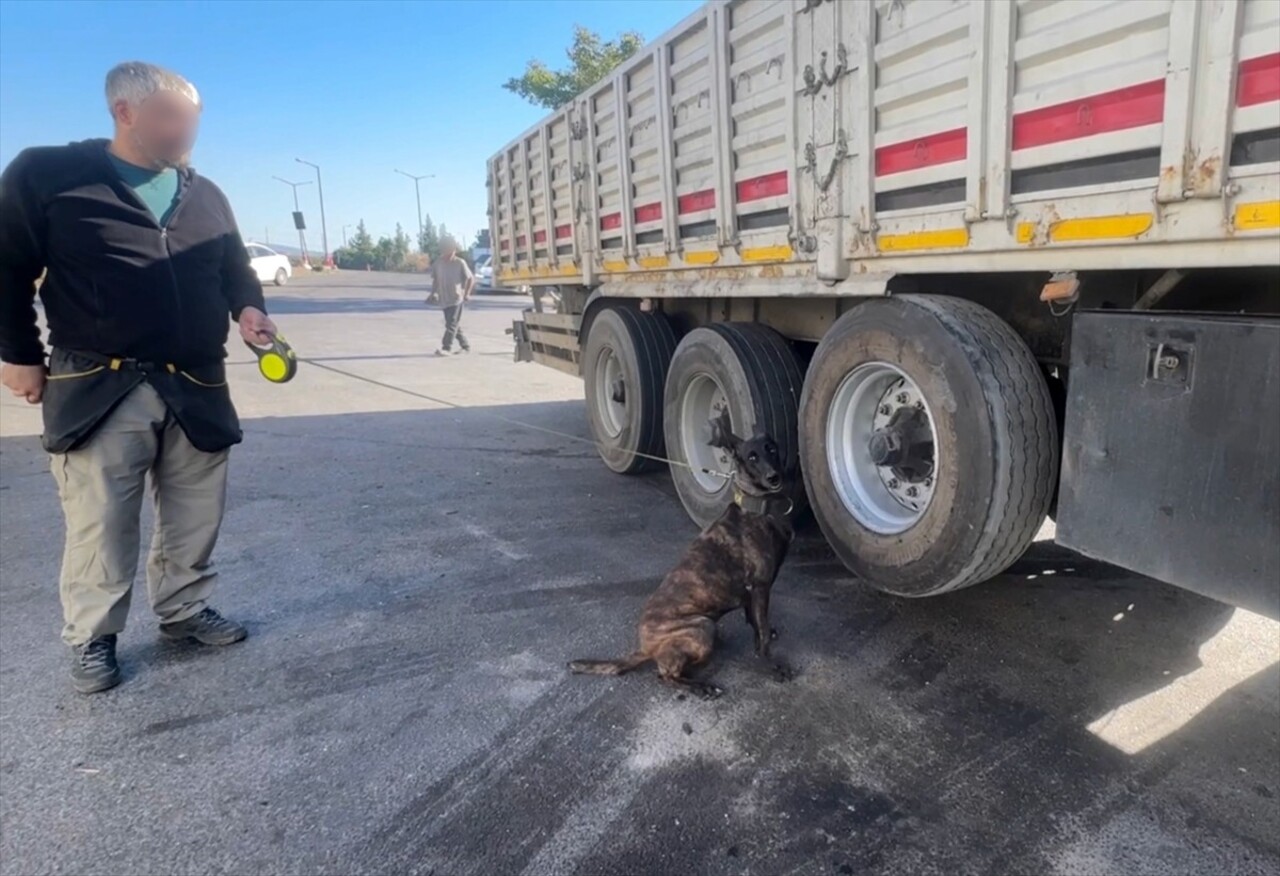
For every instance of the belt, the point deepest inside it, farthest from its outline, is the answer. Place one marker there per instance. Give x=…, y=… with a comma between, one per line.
x=122, y=363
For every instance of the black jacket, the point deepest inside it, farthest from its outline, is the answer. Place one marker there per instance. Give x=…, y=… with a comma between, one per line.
x=118, y=285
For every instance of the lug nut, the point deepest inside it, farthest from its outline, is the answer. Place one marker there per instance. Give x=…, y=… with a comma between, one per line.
x=885, y=410
x=912, y=492
x=919, y=405
x=893, y=483
x=928, y=482
x=902, y=398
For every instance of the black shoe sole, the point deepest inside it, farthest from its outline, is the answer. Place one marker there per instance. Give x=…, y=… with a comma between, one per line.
x=190, y=637
x=96, y=685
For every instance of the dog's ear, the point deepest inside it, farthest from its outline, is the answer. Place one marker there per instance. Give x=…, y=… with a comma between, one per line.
x=722, y=433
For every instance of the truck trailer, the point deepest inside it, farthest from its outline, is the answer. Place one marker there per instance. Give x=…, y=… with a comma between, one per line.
x=971, y=263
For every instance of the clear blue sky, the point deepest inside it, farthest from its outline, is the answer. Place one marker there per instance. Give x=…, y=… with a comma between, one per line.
x=360, y=88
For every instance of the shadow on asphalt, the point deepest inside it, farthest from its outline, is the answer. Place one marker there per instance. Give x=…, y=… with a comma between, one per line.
x=415, y=595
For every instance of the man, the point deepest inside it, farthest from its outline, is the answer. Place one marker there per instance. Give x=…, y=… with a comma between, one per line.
x=143, y=265
x=451, y=284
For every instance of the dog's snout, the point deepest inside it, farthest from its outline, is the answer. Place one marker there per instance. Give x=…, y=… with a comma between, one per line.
x=774, y=480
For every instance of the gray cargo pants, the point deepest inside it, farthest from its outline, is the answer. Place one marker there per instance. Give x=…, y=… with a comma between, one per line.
x=101, y=485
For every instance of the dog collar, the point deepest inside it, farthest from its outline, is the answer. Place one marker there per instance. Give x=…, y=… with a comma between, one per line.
x=762, y=504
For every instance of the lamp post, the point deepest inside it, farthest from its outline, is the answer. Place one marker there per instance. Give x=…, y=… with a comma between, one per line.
x=302, y=238
x=418, y=194
x=324, y=231
x=344, y=236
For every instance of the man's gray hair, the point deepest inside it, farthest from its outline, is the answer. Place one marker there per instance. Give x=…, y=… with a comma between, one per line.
x=135, y=81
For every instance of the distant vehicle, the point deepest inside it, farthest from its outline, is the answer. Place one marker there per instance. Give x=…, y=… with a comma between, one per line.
x=269, y=265
x=484, y=274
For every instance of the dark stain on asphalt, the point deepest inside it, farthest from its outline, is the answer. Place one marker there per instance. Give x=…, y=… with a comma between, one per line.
x=916, y=666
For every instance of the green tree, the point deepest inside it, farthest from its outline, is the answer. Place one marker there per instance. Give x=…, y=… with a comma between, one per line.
x=399, y=249
x=428, y=240
x=383, y=254
x=482, y=239
x=359, y=251
x=590, y=60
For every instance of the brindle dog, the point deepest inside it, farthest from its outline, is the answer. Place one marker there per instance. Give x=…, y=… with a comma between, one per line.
x=731, y=565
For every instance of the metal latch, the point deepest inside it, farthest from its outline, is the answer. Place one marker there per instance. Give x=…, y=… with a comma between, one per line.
x=1169, y=364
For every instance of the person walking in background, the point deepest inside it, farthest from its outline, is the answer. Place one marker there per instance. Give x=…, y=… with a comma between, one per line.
x=451, y=284
x=144, y=266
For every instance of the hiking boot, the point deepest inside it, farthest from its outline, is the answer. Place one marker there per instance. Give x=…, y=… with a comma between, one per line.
x=208, y=628
x=93, y=665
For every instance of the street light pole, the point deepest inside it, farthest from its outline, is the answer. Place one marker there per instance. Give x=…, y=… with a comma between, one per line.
x=344, y=236
x=302, y=238
x=324, y=231
x=417, y=193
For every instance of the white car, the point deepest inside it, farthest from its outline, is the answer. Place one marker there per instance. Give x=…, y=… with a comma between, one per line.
x=484, y=274
x=269, y=265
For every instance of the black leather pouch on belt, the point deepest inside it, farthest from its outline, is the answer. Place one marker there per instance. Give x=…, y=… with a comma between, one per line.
x=84, y=388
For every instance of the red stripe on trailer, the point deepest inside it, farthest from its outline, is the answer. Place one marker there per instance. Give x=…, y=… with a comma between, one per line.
x=610, y=222
x=506, y=244
x=767, y=186
x=696, y=201
x=649, y=213
x=1259, y=80
x=564, y=231
x=1118, y=110
x=520, y=240
x=539, y=237
x=941, y=148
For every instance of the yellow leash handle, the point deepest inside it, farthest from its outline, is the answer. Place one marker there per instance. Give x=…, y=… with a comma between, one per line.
x=277, y=362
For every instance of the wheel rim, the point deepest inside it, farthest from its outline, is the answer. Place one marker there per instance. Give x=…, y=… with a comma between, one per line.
x=881, y=445
x=704, y=399
x=611, y=392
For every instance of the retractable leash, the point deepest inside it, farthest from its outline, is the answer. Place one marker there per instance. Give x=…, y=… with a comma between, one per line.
x=293, y=361
x=277, y=362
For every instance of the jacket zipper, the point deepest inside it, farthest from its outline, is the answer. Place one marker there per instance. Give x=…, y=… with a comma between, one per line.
x=168, y=253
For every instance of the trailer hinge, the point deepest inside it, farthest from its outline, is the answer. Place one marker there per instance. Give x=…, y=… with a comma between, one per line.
x=811, y=161
x=578, y=129
x=813, y=82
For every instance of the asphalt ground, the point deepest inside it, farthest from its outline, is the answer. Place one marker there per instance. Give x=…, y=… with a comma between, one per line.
x=415, y=576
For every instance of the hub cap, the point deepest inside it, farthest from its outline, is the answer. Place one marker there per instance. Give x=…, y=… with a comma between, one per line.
x=880, y=448
x=704, y=400
x=611, y=392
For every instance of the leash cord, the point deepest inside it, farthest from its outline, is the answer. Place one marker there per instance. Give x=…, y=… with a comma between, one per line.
x=514, y=422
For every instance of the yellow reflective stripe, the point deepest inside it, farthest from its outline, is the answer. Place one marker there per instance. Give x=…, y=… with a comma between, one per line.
x=945, y=238
x=198, y=382
x=654, y=261
x=614, y=266
x=767, y=254
x=1257, y=216
x=76, y=374
x=702, y=257
x=1089, y=228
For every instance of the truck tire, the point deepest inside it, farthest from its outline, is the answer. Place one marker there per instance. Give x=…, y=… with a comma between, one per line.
x=928, y=443
x=752, y=371
x=624, y=368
